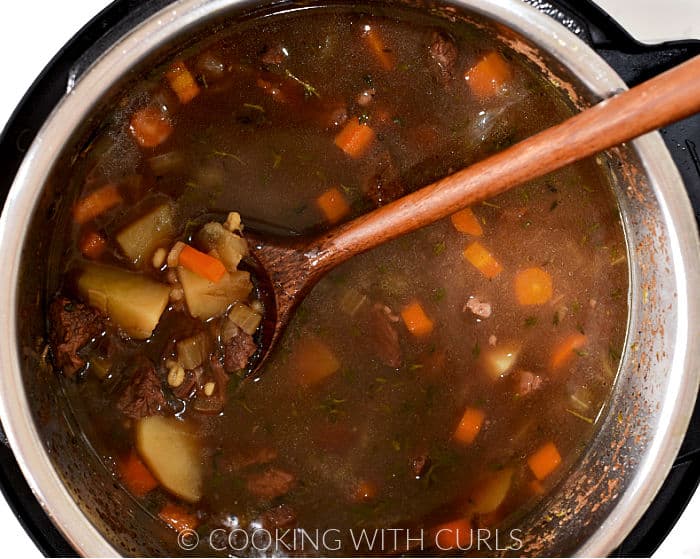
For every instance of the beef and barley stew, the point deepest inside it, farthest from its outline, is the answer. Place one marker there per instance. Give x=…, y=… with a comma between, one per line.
x=442, y=382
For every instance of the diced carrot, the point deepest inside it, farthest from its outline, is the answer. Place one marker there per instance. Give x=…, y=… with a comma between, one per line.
x=479, y=257
x=150, y=126
x=465, y=221
x=178, y=518
x=384, y=56
x=333, y=205
x=137, y=478
x=355, y=138
x=544, y=460
x=313, y=361
x=453, y=535
x=92, y=244
x=365, y=491
x=487, y=76
x=469, y=426
x=565, y=350
x=202, y=264
x=533, y=286
x=182, y=82
x=415, y=319
x=96, y=203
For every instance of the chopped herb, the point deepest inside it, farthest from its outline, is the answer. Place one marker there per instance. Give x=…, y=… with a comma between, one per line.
x=255, y=107
x=579, y=416
x=579, y=327
x=415, y=366
x=555, y=319
x=491, y=205
x=614, y=354
x=69, y=307
x=277, y=159
x=363, y=118
x=616, y=293
x=368, y=80
x=581, y=352
x=476, y=350
x=554, y=205
x=396, y=445
x=587, y=188
x=439, y=293
x=575, y=306
x=309, y=90
x=403, y=67
x=230, y=155
x=530, y=321
x=397, y=120
x=439, y=248
x=527, y=223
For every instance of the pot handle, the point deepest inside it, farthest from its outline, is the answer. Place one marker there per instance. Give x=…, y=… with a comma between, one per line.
x=635, y=62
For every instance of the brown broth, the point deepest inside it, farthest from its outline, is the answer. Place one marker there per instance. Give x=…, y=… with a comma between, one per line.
x=367, y=422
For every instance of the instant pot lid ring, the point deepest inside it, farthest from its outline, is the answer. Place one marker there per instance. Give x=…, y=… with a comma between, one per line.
x=135, y=45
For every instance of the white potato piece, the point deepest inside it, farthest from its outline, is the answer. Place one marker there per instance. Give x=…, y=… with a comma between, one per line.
x=133, y=301
x=491, y=491
x=498, y=361
x=206, y=299
x=172, y=453
x=140, y=239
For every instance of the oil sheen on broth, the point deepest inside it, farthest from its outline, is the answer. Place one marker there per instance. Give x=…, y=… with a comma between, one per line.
x=444, y=381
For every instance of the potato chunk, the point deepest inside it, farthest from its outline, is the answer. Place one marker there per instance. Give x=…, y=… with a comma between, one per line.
x=140, y=239
x=172, y=453
x=133, y=301
x=206, y=299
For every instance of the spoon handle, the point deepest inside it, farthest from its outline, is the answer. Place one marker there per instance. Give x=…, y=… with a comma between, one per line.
x=669, y=97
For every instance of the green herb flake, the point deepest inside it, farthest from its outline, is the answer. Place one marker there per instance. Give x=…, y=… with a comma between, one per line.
x=476, y=350
x=363, y=118
x=579, y=416
x=439, y=248
x=439, y=293
x=309, y=90
x=530, y=321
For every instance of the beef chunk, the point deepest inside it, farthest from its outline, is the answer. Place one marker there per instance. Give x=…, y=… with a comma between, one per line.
x=73, y=325
x=420, y=465
x=528, y=382
x=271, y=483
x=280, y=517
x=143, y=396
x=237, y=351
x=384, y=340
x=384, y=184
x=443, y=52
x=252, y=457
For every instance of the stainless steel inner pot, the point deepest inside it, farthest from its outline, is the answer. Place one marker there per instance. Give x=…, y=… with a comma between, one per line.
x=640, y=430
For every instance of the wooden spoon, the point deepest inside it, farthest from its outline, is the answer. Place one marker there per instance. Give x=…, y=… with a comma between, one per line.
x=287, y=269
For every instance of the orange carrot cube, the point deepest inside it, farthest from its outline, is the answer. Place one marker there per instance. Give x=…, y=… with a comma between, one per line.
x=544, y=460
x=96, y=203
x=469, y=426
x=333, y=205
x=182, y=82
x=465, y=221
x=417, y=322
x=355, y=138
x=533, y=286
x=479, y=257
x=150, y=127
x=566, y=349
x=488, y=75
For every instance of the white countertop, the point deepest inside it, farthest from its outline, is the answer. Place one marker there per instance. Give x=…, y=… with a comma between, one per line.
x=31, y=31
